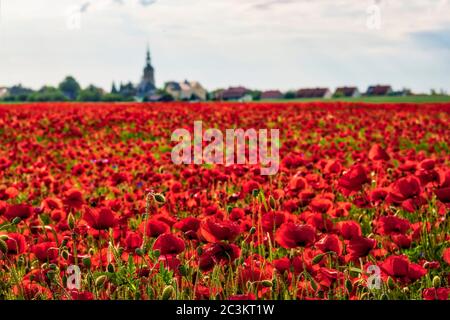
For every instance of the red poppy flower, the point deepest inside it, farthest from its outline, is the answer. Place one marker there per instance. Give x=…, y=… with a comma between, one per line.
x=73, y=198
x=403, y=189
x=436, y=294
x=132, y=241
x=81, y=295
x=156, y=227
x=446, y=255
x=282, y=265
x=100, y=219
x=218, y=253
x=392, y=224
x=45, y=251
x=329, y=243
x=400, y=267
x=272, y=220
x=354, y=178
x=378, y=153
x=50, y=204
x=443, y=194
x=21, y=211
x=169, y=244
x=360, y=247
x=16, y=243
x=349, y=229
x=188, y=224
x=292, y=235
x=213, y=230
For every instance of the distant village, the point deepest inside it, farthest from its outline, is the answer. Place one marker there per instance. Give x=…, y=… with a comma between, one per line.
x=146, y=91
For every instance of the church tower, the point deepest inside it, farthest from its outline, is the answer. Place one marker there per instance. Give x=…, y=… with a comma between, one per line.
x=147, y=86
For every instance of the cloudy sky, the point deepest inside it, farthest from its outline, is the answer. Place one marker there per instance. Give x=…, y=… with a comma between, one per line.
x=257, y=43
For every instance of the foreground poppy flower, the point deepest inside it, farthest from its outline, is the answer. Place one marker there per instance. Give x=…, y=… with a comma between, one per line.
x=81, y=295
x=213, y=230
x=156, y=228
x=169, y=244
x=45, y=251
x=354, y=178
x=16, y=243
x=399, y=267
x=292, y=235
x=436, y=294
x=218, y=254
x=392, y=224
x=378, y=153
x=73, y=199
x=329, y=243
x=446, y=255
x=100, y=219
x=349, y=229
x=21, y=211
x=359, y=247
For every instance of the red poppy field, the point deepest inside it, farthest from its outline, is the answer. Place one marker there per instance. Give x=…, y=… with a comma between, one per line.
x=357, y=210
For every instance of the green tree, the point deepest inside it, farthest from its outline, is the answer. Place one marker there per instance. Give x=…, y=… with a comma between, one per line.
x=91, y=93
x=70, y=87
x=47, y=93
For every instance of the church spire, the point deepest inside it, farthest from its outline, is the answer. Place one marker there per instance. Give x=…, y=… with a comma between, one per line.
x=148, y=60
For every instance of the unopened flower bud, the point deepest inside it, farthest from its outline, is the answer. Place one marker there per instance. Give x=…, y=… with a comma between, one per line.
x=391, y=283
x=87, y=262
x=436, y=282
x=159, y=198
x=167, y=293
x=3, y=246
x=71, y=221
x=267, y=283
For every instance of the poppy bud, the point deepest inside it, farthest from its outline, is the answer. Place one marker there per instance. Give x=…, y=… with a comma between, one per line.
x=3, y=246
x=391, y=283
x=100, y=281
x=65, y=254
x=255, y=193
x=348, y=285
x=21, y=261
x=252, y=230
x=71, y=221
x=183, y=270
x=159, y=198
x=318, y=258
x=267, y=283
x=199, y=251
x=4, y=237
x=436, y=282
x=16, y=220
x=313, y=285
x=139, y=251
x=167, y=293
x=384, y=297
x=110, y=268
x=272, y=202
x=156, y=253
x=51, y=274
x=53, y=266
x=64, y=242
x=87, y=262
